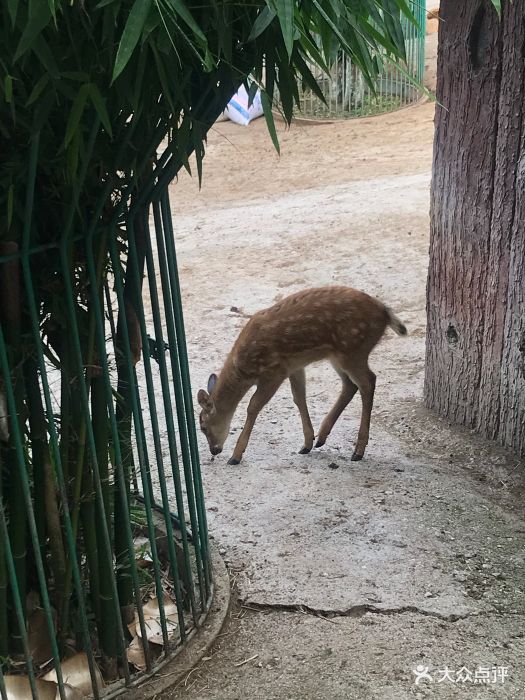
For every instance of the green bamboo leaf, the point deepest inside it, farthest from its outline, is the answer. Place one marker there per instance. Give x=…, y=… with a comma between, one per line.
x=10, y=204
x=270, y=122
x=35, y=25
x=285, y=13
x=308, y=77
x=310, y=48
x=263, y=21
x=45, y=55
x=38, y=89
x=77, y=110
x=79, y=76
x=12, y=6
x=100, y=106
x=407, y=12
x=131, y=35
x=182, y=11
x=8, y=88
x=252, y=91
x=52, y=9
x=392, y=22
x=73, y=153
x=497, y=5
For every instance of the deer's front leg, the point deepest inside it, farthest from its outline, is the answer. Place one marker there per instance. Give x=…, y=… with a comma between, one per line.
x=266, y=388
x=298, y=384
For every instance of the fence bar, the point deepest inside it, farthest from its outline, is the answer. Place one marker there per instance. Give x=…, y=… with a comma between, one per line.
x=176, y=301
x=168, y=410
x=174, y=343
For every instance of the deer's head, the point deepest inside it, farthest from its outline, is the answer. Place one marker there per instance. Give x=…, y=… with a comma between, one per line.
x=214, y=424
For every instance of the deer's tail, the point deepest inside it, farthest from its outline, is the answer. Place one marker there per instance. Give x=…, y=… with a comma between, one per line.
x=395, y=323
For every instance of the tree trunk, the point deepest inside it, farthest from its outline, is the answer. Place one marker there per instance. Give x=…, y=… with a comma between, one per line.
x=475, y=371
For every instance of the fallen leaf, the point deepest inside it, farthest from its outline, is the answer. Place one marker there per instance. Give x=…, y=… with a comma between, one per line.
x=75, y=672
x=19, y=688
x=152, y=620
x=38, y=636
x=135, y=654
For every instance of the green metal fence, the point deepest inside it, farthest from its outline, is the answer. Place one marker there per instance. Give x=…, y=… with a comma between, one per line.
x=346, y=93
x=103, y=537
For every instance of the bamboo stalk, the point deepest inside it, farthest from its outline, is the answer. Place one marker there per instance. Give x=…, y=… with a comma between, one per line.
x=126, y=376
x=38, y=451
x=4, y=626
x=45, y=493
x=10, y=305
x=89, y=533
x=106, y=622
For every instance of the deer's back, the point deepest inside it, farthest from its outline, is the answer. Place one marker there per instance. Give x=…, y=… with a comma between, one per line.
x=308, y=326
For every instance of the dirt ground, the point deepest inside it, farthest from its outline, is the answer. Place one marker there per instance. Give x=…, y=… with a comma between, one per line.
x=347, y=575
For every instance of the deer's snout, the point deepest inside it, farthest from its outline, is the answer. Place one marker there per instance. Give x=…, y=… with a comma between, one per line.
x=215, y=450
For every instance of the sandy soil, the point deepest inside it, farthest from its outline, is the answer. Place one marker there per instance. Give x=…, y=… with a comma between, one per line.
x=412, y=552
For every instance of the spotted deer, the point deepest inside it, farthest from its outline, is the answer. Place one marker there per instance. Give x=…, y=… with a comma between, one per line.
x=339, y=324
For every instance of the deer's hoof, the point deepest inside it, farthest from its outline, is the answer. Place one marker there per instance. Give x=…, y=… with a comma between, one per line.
x=320, y=442
x=234, y=461
x=356, y=457
x=305, y=450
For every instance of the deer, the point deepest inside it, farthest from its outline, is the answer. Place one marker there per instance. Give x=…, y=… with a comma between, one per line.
x=334, y=323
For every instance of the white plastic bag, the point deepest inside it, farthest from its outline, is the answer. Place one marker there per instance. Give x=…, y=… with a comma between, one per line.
x=239, y=111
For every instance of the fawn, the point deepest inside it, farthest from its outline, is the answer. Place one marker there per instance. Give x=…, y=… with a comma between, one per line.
x=336, y=323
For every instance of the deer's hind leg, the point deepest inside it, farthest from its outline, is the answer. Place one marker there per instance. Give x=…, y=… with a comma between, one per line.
x=348, y=391
x=361, y=375
x=298, y=384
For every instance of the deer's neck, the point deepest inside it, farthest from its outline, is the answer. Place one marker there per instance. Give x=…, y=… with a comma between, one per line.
x=230, y=388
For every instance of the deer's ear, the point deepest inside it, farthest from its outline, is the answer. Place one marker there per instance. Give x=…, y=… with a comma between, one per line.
x=212, y=381
x=204, y=399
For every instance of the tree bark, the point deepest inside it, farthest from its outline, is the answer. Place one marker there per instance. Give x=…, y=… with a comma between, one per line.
x=475, y=371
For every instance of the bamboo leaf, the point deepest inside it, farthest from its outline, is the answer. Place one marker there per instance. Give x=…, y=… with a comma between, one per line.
x=308, y=77
x=252, y=91
x=264, y=19
x=42, y=50
x=10, y=204
x=182, y=11
x=38, y=89
x=100, y=106
x=36, y=24
x=76, y=113
x=12, y=6
x=270, y=122
x=131, y=35
x=391, y=16
x=8, y=88
x=285, y=13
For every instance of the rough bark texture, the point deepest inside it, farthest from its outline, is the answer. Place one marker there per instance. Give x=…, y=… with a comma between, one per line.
x=476, y=285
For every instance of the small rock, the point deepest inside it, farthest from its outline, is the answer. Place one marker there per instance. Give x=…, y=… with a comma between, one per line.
x=428, y=594
x=222, y=551
x=333, y=465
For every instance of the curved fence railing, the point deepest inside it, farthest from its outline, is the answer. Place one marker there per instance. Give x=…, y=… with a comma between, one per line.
x=104, y=563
